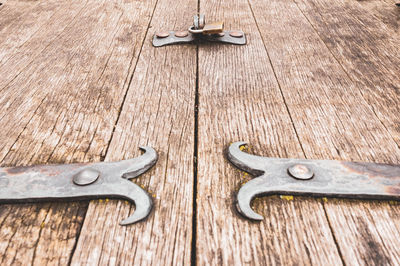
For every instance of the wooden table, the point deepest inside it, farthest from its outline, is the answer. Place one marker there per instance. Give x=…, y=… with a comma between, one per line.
x=81, y=82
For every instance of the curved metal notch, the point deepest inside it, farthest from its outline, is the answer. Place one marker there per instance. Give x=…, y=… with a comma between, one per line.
x=321, y=178
x=80, y=182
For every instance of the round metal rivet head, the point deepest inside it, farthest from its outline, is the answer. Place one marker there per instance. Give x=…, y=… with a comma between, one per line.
x=221, y=34
x=181, y=34
x=236, y=34
x=300, y=171
x=86, y=177
x=163, y=34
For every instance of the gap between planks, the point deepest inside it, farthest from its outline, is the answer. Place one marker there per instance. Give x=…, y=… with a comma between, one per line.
x=291, y=119
x=129, y=79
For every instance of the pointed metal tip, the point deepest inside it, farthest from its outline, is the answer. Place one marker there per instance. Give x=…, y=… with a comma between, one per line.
x=145, y=148
x=143, y=209
x=244, y=198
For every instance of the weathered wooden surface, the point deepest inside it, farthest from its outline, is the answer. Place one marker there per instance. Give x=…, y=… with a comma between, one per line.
x=365, y=231
x=80, y=81
x=240, y=99
x=323, y=101
x=158, y=111
x=61, y=105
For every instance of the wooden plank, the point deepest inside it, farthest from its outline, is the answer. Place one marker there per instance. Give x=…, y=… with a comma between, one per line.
x=368, y=51
x=29, y=35
x=158, y=111
x=240, y=99
x=386, y=11
x=39, y=234
x=364, y=231
x=334, y=121
x=14, y=9
x=62, y=108
x=16, y=30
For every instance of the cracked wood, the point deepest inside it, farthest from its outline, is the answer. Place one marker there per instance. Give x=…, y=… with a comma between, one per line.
x=67, y=65
x=240, y=99
x=158, y=111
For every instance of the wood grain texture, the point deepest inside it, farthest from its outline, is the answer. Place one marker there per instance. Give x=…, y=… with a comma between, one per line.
x=27, y=37
x=14, y=9
x=80, y=81
x=18, y=29
x=385, y=11
x=158, y=111
x=334, y=120
x=368, y=51
x=240, y=99
x=62, y=107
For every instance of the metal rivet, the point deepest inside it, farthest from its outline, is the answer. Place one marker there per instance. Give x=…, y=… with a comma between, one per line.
x=221, y=34
x=181, y=34
x=300, y=171
x=236, y=34
x=86, y=177
x=163, y=34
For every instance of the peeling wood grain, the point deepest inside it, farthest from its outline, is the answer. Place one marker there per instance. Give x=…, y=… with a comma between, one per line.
x=240, y=99
x=62, y=107
x=158, y=111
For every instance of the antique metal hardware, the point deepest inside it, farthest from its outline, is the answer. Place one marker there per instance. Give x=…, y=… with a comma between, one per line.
x=321, y=178
x=200, y=30
x=80, y=182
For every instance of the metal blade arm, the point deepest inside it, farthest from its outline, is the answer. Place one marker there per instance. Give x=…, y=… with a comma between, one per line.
x=80, y=182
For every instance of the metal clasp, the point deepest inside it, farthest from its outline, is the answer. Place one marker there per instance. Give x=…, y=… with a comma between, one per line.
x=200, y=30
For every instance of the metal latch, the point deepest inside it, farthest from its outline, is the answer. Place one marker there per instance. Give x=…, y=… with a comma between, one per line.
x=200, y=31
x=80, y=182
x=320, y=178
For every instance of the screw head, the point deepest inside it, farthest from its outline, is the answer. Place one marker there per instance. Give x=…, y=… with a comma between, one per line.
x=86, y=177
x=300, y=171
x=236, y=34
x=163, y=34
x=181, y=34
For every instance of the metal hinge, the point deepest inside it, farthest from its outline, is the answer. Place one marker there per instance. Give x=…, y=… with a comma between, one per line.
x=200, y=30
x=321, y=178
x=80, y=182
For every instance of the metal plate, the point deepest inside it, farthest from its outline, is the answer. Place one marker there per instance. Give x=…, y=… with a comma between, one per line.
x=172, y=39
x=330, y=179
x=96, y=180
